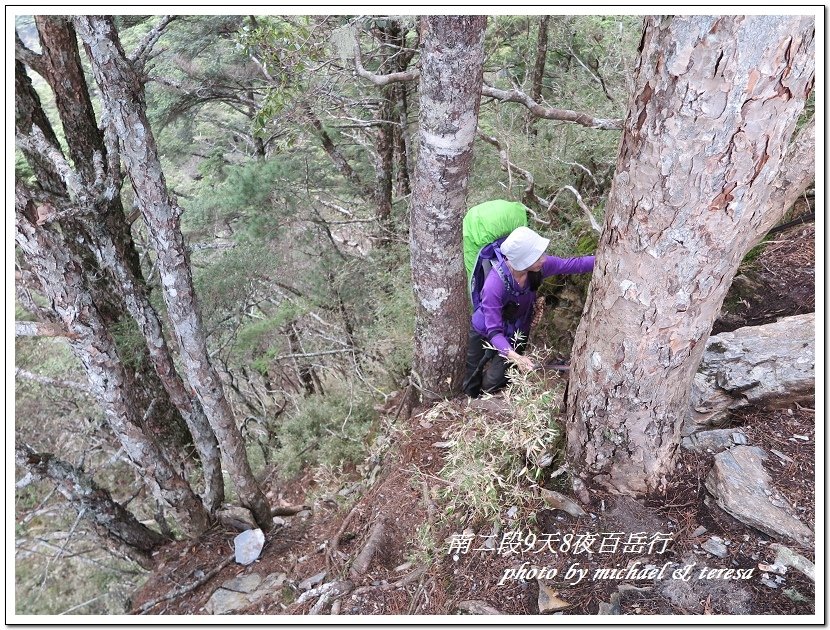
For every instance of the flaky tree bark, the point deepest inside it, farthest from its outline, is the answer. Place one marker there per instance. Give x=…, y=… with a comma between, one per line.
x=108, y=236
x=451, y=77
x=64, y=284
x=715, y=104
x=122, y=92
x=119, y=528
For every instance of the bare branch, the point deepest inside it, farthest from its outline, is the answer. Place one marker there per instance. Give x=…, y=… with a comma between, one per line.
x=40, y=329
x=381, y=79
x=185, y=588
x=552, y=113
x=28, y=56
x=141, y=54
x=594, y=225
x=52, y=382
x=594, y=75
x=36, y=142
x=507, y=165
x=364, y=558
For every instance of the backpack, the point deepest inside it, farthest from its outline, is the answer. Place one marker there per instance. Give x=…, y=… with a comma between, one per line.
x=484, y=229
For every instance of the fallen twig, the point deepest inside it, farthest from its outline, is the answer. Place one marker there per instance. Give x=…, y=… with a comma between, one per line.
x=183, y=589
x=406, y=580
x=331, y=555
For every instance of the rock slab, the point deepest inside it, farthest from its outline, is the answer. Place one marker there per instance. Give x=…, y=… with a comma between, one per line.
x=242, y=592
x=713, y=441
x=773, y=363
x=741, y=487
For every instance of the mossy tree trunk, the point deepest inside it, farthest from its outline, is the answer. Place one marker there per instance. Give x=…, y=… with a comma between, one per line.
x=452, y=62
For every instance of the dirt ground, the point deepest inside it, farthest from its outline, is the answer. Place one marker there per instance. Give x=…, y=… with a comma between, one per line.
x=403, y=581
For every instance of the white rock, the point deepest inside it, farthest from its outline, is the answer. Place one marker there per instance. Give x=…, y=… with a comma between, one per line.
x=248, y=545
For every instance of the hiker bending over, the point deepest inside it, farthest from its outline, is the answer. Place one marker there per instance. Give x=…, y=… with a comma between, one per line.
x=506, y=308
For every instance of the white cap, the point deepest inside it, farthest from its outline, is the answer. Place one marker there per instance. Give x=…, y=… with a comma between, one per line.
x=523, y=247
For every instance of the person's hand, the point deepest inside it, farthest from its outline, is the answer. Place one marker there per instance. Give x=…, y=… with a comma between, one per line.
x=523, y=363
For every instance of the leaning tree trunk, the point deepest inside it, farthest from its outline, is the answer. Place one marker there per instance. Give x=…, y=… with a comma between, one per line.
x=119, y=527
x=107, y=234
x=122, y=92
x=715, y=103
x=452, y=63
x=64, y=284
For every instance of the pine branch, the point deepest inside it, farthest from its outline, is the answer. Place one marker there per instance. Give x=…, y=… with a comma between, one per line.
x=141, y=55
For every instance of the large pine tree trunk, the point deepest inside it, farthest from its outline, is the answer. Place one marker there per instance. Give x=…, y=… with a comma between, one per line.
x=451, y=77
x=64, y=283
x=122, y=92
x=715, y=103
x=119, y=528
x=107, y=234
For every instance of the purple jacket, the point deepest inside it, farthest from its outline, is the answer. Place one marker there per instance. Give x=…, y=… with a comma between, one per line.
x=487, y=319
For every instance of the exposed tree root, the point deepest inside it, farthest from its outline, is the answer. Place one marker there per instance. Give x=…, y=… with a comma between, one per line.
x=290, y=510
x=144, y=608
x=364, y=558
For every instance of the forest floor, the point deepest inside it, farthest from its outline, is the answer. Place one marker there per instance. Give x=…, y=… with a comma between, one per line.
x=405, y=579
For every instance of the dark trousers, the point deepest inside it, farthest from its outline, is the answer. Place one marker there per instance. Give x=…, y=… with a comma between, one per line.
x=485, y=367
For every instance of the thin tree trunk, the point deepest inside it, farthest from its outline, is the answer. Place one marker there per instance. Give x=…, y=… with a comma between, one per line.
x=385, y=149
x=716, y=102
x=123, y=97
x=401, y=141
x=64, y=284
x=538, y=71
x=338, y=159
x=118, y=526
x=451, y=79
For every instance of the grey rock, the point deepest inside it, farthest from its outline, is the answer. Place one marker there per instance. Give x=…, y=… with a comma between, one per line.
x=715, y=547
x=311, y=582
x=714, y=441
x=774, y=362
x=236, y=517
x=699, y=531
x=243, y=583
x=477, y=607
x=739, y=438
x=612, y=607
x=243, y=591
x=248, y=545
x=629, y=589
x=223, y=602
x=741, y=487
x=560, y=502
